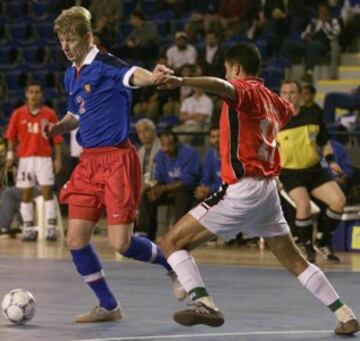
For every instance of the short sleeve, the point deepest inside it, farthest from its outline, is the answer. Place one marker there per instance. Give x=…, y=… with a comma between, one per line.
x=12, y=129
x=71, y=106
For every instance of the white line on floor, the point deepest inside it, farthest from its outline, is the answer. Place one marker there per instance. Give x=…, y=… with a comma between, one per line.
x=158, y=337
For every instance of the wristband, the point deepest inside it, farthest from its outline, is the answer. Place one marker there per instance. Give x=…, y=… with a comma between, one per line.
x=330, y=158
x=10, y=155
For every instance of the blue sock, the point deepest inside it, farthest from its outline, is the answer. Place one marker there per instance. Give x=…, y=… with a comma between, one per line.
x=145, y=250
x=89, y=267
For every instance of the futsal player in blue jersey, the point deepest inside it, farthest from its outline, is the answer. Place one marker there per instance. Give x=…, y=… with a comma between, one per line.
x=108, y=176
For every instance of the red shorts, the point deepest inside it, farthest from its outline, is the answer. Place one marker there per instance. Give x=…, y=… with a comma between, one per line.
x=106, y=178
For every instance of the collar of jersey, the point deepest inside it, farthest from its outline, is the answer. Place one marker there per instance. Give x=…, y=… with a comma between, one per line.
x=90, y=56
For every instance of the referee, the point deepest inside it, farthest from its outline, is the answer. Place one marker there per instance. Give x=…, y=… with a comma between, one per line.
x=302, y=175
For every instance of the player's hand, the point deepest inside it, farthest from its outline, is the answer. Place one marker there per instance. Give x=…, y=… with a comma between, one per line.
x=47, y=129
x=169, y=82
x=57, y=166
x=156, y=192
x=335, y=168
x=201, y=192
x=9, y=163
x=160, y=71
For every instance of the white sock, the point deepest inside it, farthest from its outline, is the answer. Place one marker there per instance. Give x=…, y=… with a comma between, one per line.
x=27, y=215
x=186, y=269
x=50, y=213
x=314, y=280
x=188, y=274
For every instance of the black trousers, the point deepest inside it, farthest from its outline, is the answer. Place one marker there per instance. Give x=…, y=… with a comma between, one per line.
x=182, y=199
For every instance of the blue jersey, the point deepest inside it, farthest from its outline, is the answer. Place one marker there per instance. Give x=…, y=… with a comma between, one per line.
x=212, y=170
x=100, y=98
x=184, y=167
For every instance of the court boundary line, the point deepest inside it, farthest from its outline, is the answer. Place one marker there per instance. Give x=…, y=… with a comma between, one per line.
x=178, y=336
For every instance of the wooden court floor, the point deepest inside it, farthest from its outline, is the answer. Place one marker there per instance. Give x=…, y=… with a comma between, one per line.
x=215, y=253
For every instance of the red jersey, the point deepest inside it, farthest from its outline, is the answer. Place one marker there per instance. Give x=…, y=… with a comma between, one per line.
x=248, y=127
x=26, y=129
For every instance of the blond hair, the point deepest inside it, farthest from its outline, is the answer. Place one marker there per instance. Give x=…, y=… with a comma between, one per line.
x=75, y=20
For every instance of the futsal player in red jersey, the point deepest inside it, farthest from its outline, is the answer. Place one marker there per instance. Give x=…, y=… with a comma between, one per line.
x=34, y=151
x=248, y=201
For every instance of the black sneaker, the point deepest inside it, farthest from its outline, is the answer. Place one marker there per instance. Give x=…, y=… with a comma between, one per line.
x=51, y=234
x=328, y=253
x=310, y=252
x=30, y=236
x=200, y=314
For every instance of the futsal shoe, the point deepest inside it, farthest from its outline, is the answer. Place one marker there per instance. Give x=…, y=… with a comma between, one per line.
x=327, y=251
x=347, y=328
x=100, y=314
x=30, y=236
x=177, y=288
x=200, y=314
x=310, y=252
x=51, y=234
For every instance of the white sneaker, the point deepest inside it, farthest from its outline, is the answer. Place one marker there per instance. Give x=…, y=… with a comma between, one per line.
x=177, y=288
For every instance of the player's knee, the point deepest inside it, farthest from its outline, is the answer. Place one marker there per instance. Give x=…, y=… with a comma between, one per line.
x=121, y=245
x=338, y=203
x=169, y=245
x=74, y=242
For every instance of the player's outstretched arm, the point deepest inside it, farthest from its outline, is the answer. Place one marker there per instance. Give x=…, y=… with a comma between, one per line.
x=142, y=77
x=213, y=85
x=68, y=123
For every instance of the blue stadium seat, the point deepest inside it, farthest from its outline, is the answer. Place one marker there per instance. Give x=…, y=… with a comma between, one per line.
x=273, y=77
x=16, y=79
x=34, y=55
x=17, y=9
x=40, y=9
x=164, y=15
x=166, y=122
x=22, y=32
x=8, y=57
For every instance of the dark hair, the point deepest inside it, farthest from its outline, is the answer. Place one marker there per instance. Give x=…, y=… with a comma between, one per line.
x=247, y=55
x=214, y=127
x=212, y=32
x=310, y=88
x=33, y=83
x=298, y=85
x=138, y=14
x=169, y=133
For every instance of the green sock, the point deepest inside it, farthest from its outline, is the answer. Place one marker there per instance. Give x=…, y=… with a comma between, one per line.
x=197, y=293
x=336, y=305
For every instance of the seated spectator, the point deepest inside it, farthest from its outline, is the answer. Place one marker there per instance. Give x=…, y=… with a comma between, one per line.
x=150, y=145
x=211, y=178
x=211, y=57
x=195, y=114
x=321, y=36
x=181, y=53
x=177, y=172
x=334, y=100
x=113, y=9
x=308, y=97
x=342, y=158
x=105, y=33
x=141, y=43
x=350, y=14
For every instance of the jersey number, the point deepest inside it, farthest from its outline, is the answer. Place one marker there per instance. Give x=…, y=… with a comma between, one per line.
x=268, y=132
x=33, y=128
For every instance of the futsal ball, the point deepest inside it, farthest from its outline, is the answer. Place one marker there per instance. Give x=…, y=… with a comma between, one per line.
x=18, y=306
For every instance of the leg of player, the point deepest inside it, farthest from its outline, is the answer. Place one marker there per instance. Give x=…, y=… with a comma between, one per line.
x=314, y=280
x=27, y=215
x=186, y=235
x=142, y=249
x=303, y=220
x=89, y=267
x=331, y=194
x=50, y=209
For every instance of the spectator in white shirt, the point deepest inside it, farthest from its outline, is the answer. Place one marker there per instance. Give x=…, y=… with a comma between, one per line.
x=195, y=114
x=181, y=53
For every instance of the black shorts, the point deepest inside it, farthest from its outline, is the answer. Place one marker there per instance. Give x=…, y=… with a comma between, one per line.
x=310, y=178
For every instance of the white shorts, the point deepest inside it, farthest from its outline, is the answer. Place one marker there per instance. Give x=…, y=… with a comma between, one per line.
x=35, y=170
x=251, y=205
